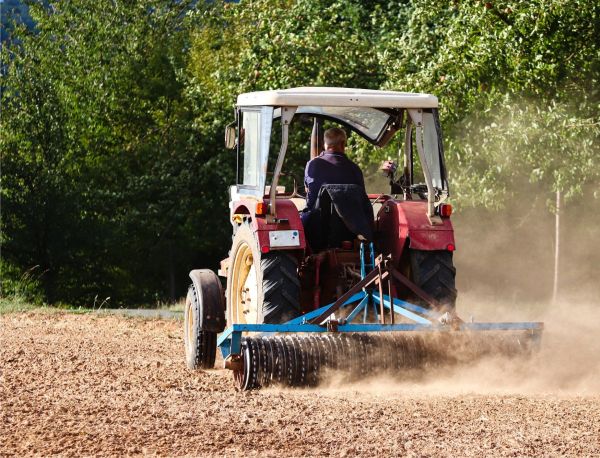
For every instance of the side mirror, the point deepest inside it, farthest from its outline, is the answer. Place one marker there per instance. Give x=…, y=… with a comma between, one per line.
x=230, y=136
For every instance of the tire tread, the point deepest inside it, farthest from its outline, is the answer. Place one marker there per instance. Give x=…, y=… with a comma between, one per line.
x=434, y=272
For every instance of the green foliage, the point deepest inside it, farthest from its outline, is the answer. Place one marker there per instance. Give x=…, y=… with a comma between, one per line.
x=265, y=45
x=17, y=286
x=518, y=86
x=114, y=174
x=107, y=182
x=552, y=142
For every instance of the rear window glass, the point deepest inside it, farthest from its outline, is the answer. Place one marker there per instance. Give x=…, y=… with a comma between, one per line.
x=369, y=121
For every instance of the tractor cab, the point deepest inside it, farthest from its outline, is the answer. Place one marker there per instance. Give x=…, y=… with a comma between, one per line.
x=266, y=216
x=375, y=116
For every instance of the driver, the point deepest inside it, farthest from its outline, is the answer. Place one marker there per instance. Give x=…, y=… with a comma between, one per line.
x=332, y=166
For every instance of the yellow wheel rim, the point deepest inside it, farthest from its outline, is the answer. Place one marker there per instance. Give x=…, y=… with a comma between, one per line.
x=244, y=293
x=189, y=310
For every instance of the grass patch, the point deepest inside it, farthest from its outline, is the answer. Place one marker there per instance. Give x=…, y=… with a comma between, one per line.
x=177, y=307
x=15, y=305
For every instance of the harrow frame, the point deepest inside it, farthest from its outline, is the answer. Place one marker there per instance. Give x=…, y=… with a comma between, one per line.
x=363, y=296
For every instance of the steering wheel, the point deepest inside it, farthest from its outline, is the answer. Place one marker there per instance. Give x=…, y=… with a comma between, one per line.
x=420, y=189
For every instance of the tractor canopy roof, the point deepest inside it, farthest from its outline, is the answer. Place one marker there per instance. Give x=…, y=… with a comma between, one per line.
x=374, y=115
x=337, y=97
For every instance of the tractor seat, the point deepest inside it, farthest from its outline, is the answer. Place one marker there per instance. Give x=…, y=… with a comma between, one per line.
x=342, y=212
x=299, y=202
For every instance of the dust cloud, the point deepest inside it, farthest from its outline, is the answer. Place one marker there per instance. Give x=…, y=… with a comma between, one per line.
x=567, y=363
x=505, y=262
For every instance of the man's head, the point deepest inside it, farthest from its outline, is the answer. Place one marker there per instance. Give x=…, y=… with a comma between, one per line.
x=335, y=139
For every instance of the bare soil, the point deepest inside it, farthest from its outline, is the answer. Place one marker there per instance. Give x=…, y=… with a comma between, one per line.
x=108, y=385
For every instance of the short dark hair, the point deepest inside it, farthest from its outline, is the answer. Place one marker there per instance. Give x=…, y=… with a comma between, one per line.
x=335, y=137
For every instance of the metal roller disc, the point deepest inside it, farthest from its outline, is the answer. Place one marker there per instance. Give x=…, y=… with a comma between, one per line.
x=329, y=352
x=395, y=352
x=290, y=361
x=311, y=345
x=339, y=354
x=243, y=377
x=419, y=352
x=368, y=366
x=300, y=359
x=355, y=355
x=271, y=351
x=309, y=356
x=391, y=353
x=350, y=358
x=263, y=363
x=319, y=359
x=254, y=363
x=383, y=347
x=365, y=350
x=280, y=367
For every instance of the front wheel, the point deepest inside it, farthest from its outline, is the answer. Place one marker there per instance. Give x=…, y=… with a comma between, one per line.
x=200, y=337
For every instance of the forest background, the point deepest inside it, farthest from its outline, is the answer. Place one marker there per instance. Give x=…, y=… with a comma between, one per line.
x=114, y=173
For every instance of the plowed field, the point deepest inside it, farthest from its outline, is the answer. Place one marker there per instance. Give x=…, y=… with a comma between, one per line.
x=108, y=385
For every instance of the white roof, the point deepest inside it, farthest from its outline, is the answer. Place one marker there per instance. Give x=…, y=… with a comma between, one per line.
x=337, y=97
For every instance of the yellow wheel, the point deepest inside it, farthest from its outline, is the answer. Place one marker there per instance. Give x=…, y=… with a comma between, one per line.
x=261, y=288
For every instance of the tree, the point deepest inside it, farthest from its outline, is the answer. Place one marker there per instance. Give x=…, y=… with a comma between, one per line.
x=107, y=181
x=519, y=88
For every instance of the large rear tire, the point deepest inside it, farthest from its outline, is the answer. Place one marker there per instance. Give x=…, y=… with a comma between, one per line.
x=434, y=273
x=261, y=287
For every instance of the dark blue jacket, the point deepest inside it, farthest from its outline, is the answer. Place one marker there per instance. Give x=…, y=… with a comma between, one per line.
x=329, y=168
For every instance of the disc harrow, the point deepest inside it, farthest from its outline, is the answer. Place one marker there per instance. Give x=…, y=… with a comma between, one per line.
x=407, y=337
x=302, y=360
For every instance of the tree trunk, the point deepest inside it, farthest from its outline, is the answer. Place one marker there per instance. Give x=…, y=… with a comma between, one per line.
x=556, y=248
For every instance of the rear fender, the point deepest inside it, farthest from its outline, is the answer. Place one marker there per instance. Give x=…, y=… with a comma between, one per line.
x=288, y=220
x=405, y=223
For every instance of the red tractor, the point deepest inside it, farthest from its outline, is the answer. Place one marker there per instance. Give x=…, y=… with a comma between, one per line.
x=275, y=277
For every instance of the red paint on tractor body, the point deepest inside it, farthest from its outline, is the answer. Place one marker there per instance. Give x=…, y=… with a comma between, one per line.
x=398, y=221
x=287, y=214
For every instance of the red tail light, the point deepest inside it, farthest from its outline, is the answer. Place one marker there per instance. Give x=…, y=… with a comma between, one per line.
x=445, y=210
x=450, y=247
x=265, y=248
x=261, y=209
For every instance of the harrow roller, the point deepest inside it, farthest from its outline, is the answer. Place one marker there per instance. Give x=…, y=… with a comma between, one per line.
x=304, y=359
x=301, y=360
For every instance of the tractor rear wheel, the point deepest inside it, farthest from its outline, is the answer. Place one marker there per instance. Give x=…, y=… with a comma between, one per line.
x=261, y=287
x=434, y=273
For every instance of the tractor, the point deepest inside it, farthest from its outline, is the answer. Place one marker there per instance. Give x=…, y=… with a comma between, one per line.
x=351, y=299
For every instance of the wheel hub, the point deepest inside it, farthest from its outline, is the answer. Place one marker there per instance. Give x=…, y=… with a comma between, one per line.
x=244, y=300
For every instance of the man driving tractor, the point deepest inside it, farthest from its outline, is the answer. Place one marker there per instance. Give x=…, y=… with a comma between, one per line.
x=332, y=166
x=330, y=178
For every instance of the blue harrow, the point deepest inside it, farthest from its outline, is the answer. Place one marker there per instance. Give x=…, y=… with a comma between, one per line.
x=363, y=332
